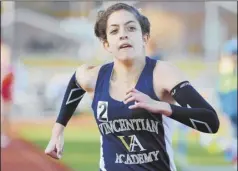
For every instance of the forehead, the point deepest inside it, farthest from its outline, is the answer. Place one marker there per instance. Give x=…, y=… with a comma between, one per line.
x=121, y=17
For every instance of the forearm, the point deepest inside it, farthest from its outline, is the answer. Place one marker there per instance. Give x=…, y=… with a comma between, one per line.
x=201, y=119
x=72, y=97
x=58, y=129
x=194, y=111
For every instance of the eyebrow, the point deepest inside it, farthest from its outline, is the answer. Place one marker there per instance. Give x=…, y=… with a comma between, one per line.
x=128, y=22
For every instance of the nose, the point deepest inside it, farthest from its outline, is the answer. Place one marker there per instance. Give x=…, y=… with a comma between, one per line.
x=123, y=37
x=123, y=34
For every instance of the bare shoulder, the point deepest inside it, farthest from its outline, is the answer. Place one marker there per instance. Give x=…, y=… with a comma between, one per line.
x=86, y=76
x=169, y=75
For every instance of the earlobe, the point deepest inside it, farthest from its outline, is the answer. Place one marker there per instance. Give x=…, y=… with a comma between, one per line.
x=106, y=46
x=145, y=39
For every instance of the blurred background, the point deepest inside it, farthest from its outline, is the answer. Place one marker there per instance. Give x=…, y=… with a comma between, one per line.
x=42, y=43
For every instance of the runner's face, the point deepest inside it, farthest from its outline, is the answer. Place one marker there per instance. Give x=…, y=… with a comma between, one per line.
x=124, y=36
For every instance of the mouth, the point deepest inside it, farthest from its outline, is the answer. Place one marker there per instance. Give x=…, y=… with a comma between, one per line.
x=125, y=46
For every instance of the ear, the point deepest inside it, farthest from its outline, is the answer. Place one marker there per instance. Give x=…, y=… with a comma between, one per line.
x=106, y=46
x=146, y=38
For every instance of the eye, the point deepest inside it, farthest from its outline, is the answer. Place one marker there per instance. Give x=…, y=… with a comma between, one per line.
x=113, y=31
x=131, y=28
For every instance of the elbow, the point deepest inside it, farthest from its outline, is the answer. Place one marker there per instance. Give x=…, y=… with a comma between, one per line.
x=216, y=126
x=212, y=123
x=215, y=123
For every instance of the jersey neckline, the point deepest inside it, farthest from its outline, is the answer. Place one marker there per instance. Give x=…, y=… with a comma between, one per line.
x=136, y=86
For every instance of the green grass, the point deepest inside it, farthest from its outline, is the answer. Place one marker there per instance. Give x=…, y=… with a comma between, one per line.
x=79, y=155
x=200, y=156
x=82, y=147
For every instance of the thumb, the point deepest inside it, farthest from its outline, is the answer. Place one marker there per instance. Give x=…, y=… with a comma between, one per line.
x=59, y=148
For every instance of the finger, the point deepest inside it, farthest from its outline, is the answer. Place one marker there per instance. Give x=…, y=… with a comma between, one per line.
x=59, y=154
x=128, y=96
x=60, y=146
x=133, y=106
x=137, y=105
x=59, y=151
x=130, y=90
x=51, y=150
x=53, y=154
x=132, y=98
x=50, y=147
x=135, y=90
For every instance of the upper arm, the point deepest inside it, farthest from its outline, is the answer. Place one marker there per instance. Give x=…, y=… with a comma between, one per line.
x=168, y=76
x=86, y=76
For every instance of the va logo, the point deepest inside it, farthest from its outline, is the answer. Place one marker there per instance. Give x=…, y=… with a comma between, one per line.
x=102, y=111
x=131, y=143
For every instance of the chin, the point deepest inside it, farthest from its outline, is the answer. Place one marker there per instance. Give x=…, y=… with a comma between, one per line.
x=125, y=57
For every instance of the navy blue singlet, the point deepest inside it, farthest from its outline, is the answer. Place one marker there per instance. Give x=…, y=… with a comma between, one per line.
x=131, y=140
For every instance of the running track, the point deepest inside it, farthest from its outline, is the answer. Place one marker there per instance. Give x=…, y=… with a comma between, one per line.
x=21, y=155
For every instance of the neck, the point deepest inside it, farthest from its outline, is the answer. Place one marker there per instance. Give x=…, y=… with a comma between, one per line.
x=127, y=71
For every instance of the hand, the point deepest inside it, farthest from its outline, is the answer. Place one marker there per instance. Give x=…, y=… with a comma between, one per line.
x=144, y=101
x=55, y=147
